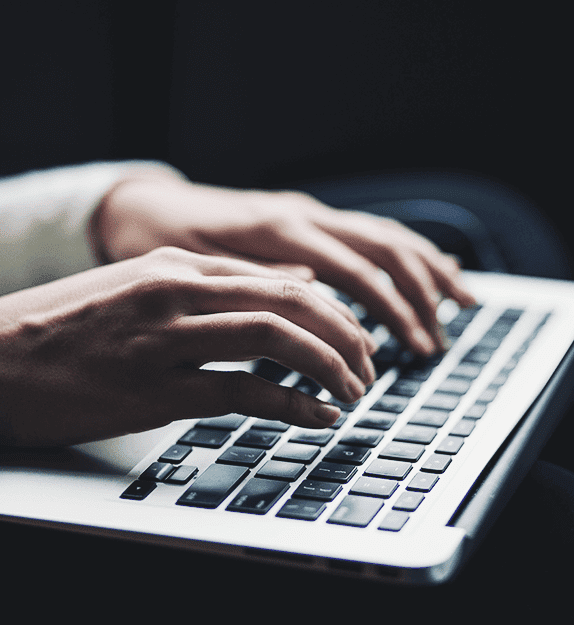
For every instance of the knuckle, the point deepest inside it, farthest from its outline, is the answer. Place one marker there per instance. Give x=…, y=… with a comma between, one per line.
x=263, y=327
x=293, y=295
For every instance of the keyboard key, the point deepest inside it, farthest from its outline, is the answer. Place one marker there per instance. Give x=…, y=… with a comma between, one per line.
x=377, y=420
x=434, y=418
x=313, y=437
x=437, y=463
x=463, y=428
x=261, y=439
x=182, y=474
x=416, y=434
x=313, y=489
x=242, y=456
x=402, y=451
x=333, y=472
x=227, y=422
x=297, y=452
x=454, y=386
x=138, y=490
x=392, y=469
x=374, y=487
x=348, y=454
x=302, y=509
x=405, y=388
x=175, y=454
x=258, y=496
x=466, y=370
x=205, y=437
x=391, y=403
x=450, y=445
x=487, y=395
x=362, y=437
x=157, y=472
x=478, y=356
x=422, y=482
x=308, y=386
x=356, y=511
x=265, y=424
x=442, y=401
x=214, y=485
x=279, y=470
x=394, y=521
x=475, y=412
x=409, y=502
x=271, y=370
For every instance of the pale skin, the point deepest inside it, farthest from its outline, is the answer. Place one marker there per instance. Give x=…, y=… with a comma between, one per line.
x=204, y=274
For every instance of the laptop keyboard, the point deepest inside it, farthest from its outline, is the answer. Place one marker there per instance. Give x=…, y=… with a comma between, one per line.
x=349, y=472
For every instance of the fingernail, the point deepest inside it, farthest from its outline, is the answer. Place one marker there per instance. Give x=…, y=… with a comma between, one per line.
x=355, y=388
x=327, y=413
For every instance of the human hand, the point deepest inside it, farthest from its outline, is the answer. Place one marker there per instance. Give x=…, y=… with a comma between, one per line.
x=118, y=349
x=345, y=249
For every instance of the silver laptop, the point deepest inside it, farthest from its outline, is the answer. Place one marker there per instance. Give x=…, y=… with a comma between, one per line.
x=401, y=489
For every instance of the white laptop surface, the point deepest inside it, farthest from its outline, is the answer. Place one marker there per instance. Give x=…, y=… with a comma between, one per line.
x=398, y=491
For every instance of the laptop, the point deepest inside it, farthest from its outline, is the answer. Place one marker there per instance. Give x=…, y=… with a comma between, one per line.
x=401, y=489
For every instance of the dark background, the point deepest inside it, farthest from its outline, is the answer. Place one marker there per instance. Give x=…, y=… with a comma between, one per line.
x=268, y=94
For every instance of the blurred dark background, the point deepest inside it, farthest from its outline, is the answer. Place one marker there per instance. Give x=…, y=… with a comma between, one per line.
x=262, y=94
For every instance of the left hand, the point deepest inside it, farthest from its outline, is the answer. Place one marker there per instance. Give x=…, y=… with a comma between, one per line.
x=344, y=249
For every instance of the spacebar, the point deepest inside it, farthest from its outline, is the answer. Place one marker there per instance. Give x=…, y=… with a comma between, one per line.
x=213, y=486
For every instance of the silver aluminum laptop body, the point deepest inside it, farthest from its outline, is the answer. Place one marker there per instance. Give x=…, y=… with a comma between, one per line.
x=79, y=488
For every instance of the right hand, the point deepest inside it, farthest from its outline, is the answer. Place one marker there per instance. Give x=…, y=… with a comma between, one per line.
x=118, y=349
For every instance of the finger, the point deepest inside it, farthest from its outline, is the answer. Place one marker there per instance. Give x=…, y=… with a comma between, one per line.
x=296, y=302
x=215, y=393
x=238, y=336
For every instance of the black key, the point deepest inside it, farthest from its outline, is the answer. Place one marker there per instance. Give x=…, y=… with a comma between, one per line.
x=416, y=434
x=362, y=437
x=391, y=403
x=227, y=422
x=348, y=454
x=467, y=370
x=402, y=451
x=279, y=470
x=475, y=412
x=157, y=472
x=454, y=386
x=258, y=496
x=271, y=370
x=313, y=437
x=377, y=420
x=242, y=456
x=265, y=424
x=297, y=452
x=262, y=439
x=394, y=521
x=304, y=510
x=405, y=388
x=374, y=487
x=213, y=486
x=175, y=454
x=344, y=406
x=308, y=386
x=182, y=474
x=437, y=463
x=423, y=482
x=478, y=356
x=394, y=469
x=487, y=395
x=450, y=445
x=205, y=437
x=333, y=472
x=409, y=502
x=463, y=428
x=356, y=511
x=339, y=422
x=138, y=490
x=441, y=401
x=313, y=489
x=434, y=418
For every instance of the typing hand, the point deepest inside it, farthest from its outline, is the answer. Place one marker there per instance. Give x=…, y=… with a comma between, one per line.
x=118, y=349
x=345, y=249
